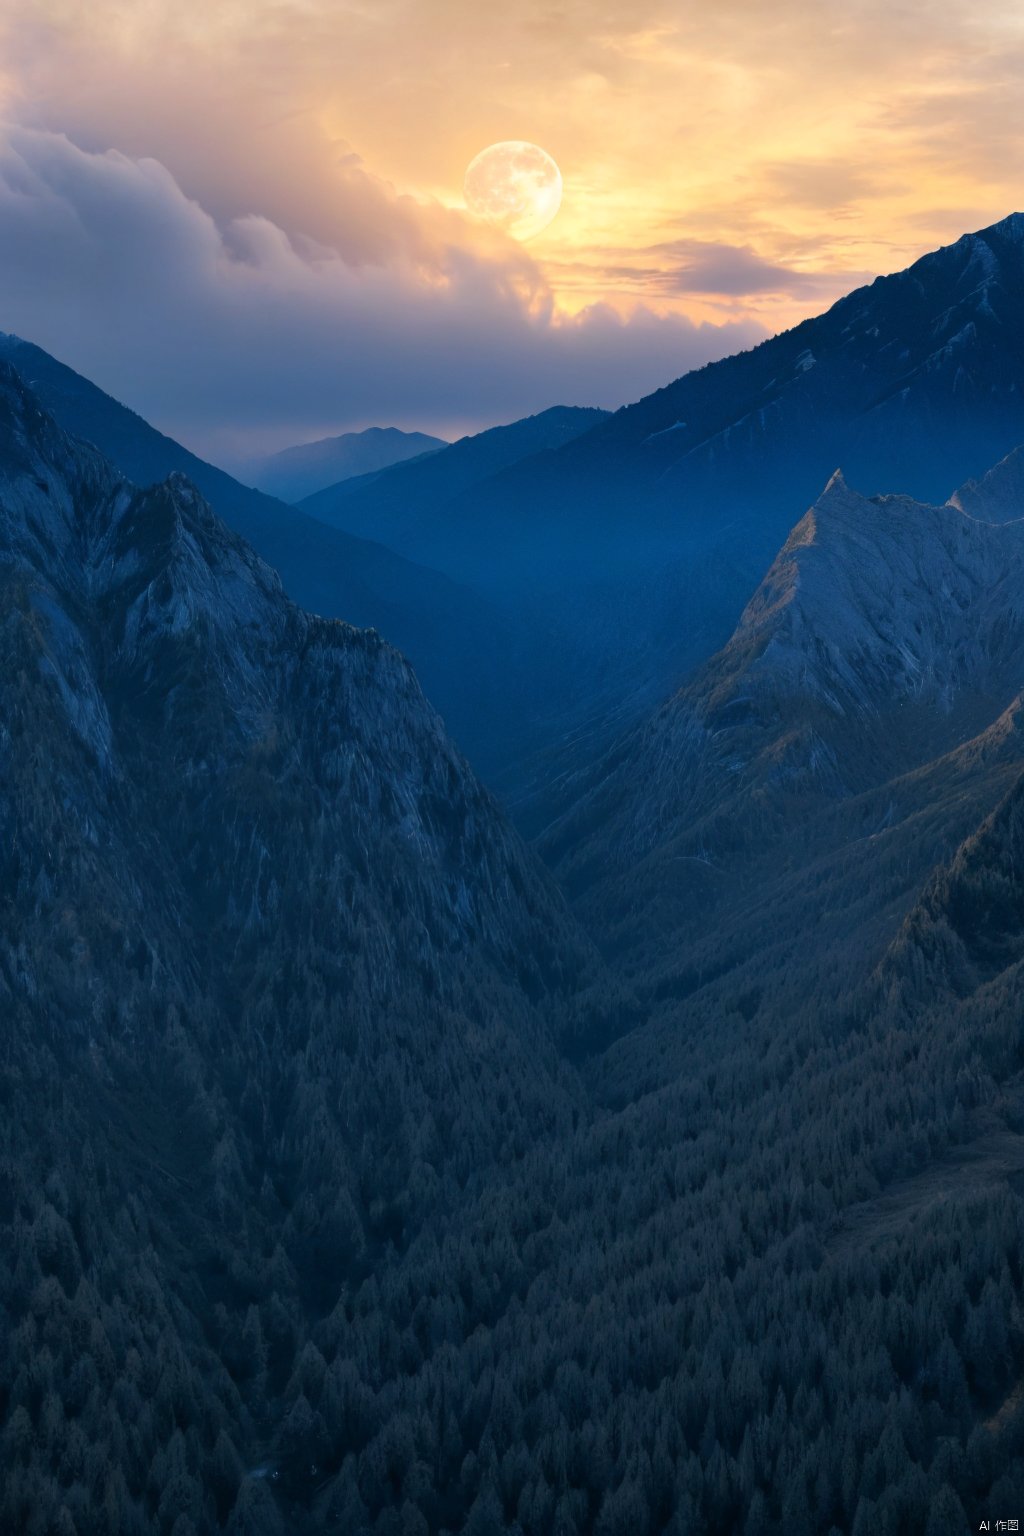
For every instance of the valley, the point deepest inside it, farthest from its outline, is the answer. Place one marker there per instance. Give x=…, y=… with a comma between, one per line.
x=636, y=1149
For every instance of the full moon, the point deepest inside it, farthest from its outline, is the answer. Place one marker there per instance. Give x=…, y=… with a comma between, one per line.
x=516, y=186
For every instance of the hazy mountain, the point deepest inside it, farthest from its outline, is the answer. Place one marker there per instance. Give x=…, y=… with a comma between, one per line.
x=308, y=467
x=603, y=568
x=391, y=507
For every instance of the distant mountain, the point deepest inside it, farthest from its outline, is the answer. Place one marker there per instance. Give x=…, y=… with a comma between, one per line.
x=452, y=635
x=300, y=471
x=912, y=384
x=393, y=505
x=882, y=654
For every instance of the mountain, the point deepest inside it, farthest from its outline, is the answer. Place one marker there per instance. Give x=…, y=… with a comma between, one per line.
x=602, y=569
x=965, y=937
x=886, y=636
x=453, y=636
x=998, y=497
x=494, y=668
x=868, y=705
x=391, y=506
x=276, y=975
x=647, y=534
x=309, y=467
x=343, y=1189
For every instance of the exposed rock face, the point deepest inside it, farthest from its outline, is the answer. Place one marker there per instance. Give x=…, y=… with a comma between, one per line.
x=887, y=634
x=213, y=784
x=450, y=634
x=278, y=981
x=875, y=602
x=998, y=497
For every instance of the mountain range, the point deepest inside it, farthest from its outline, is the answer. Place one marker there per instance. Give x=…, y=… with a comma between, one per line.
x=646, y=535
x=457, y=638
x=247, y=865
x=366, y=1169
x=396, y=504
x=296, y=472
x=574, y=566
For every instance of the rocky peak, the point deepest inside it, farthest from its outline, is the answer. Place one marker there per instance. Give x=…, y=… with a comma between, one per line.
x=997, y=497
x=886, y=634
x=263, y=749
x=877, y=598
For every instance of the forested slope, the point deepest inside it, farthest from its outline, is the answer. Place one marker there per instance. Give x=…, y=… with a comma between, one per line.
x=347, y=1189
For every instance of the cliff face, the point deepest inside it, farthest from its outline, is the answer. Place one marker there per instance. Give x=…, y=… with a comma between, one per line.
x=452, y=636
x=881, y=655
x=220, y=811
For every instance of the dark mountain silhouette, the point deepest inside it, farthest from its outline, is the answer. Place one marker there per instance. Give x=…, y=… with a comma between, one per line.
x=296, y=472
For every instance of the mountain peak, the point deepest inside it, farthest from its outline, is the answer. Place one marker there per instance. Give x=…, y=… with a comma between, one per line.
x=1010, y=228
x=876, y=599
x=997, y=497
x=305, y=468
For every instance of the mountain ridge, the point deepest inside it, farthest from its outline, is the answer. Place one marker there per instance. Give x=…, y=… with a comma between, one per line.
x=886, y=634
x=344, y=1189
x=296, y=472
x=451, y=633
x=645, y=536
x=469, y=461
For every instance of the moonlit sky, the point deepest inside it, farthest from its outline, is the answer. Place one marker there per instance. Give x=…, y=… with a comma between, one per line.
x=245, y=218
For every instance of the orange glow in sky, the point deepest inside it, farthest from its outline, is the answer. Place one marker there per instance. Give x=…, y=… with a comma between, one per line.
x=729, y=162
x=825, y=141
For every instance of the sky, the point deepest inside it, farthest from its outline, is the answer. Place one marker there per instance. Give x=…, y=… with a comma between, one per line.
x=245, y=217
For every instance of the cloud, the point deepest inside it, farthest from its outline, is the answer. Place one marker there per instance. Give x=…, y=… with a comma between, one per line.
x=229, y=332
x=730, y=162
x=712, y=267
x=829, y=185
x=813, y=136
x=730, y=277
